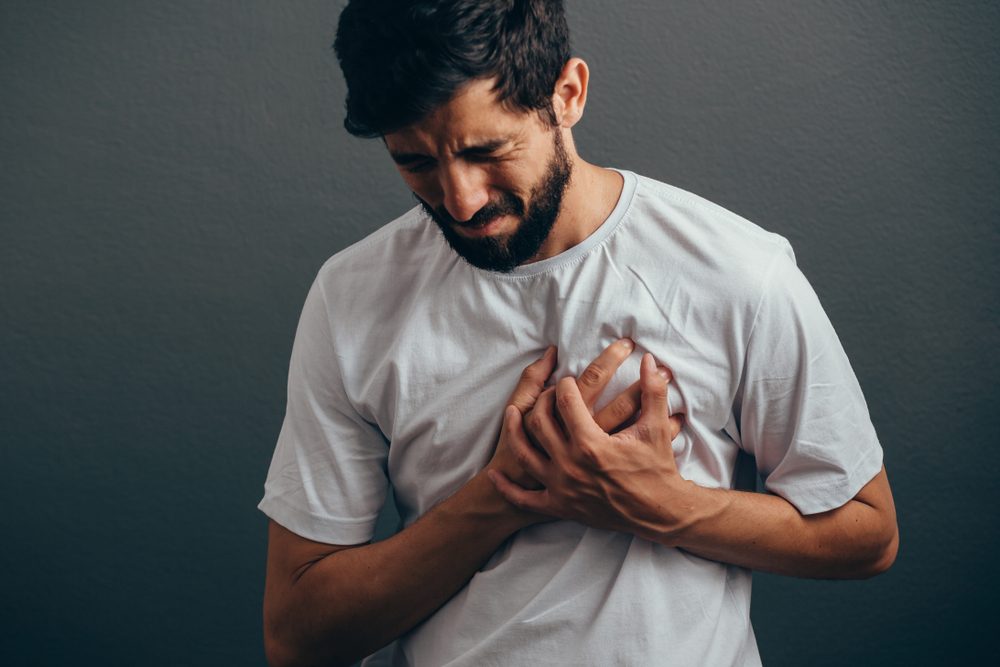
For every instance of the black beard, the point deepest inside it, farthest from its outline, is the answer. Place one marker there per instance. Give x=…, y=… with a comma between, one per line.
x=504, y=253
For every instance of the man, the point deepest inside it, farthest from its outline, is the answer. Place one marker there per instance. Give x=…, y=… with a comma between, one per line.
x=593, y=529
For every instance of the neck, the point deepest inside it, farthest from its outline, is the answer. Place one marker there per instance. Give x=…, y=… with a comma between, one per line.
x=589, y=199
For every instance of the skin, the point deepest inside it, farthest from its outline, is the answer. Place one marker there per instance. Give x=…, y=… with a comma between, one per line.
x=331, y=604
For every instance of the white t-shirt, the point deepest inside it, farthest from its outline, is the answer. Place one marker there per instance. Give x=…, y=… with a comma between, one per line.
x=405, y=355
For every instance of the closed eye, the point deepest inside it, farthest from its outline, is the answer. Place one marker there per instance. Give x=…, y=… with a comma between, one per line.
x=485, y=152
x=418, y=166
x=481, y=157
x=411, y=161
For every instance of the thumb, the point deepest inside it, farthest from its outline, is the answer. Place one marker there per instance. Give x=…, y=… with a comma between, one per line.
x=532, y=381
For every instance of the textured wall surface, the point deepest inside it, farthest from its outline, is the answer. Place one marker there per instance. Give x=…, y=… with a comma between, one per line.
x=173, y=174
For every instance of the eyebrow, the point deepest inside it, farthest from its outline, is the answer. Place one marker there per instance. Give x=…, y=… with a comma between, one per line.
x=477, y=149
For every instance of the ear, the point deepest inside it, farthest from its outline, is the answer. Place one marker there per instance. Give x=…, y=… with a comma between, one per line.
x=570, y=94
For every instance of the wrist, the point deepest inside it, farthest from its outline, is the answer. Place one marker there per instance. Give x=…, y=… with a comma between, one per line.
x=689, y=506
x=480, y=499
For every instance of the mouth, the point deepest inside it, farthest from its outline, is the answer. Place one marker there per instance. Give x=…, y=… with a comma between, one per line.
x=480, y=230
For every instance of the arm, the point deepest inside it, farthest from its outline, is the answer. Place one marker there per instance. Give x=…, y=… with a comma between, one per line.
x=629, y=482
x=328, y=604
x=765, y=532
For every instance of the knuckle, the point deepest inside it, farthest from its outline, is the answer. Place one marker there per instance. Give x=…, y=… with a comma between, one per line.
x=623, y=407
x=521, y=456
x=533, y=422
x=642, y=432
x=658, y=392
x=615, y=414
x=543, y=405
x=520, y=402
x=564, y=403
x=530, y=374
x=651, y=433
x=591, y=376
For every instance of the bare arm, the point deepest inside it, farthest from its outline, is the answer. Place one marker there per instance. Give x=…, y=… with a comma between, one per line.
x=765, y=532
x=328, y=604
x=629, y=482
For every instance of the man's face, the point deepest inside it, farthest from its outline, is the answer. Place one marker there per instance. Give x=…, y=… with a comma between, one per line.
x=536, y=216
x=491, y=179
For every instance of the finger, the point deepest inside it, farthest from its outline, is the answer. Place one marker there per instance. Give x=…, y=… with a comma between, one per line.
x=676, y=424
x=654, y=419
x=574, y=412
x=596, y=376
x=542, y=425
x=518, y=496
x=620, y=410
x=532, y=381
x=529, y=458
x=624, y=408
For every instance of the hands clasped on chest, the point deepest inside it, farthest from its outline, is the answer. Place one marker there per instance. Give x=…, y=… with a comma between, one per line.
x=613, y=469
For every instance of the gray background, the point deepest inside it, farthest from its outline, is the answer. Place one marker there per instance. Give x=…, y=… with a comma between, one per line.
x=173, y=175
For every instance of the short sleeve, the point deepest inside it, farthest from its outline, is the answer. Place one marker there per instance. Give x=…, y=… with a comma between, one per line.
x=327, y=479
x=802, y=413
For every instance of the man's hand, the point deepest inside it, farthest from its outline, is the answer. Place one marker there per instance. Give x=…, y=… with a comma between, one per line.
x=629, y=482
x=591, y=384
x=626, y=481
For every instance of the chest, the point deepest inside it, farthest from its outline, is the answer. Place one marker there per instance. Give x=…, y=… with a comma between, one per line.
x=438, y=389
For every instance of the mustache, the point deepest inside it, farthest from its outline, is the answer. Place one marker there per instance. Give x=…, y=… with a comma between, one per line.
x=508, y=204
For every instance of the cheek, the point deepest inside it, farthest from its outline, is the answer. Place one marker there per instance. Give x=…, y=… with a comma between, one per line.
x=513, y=178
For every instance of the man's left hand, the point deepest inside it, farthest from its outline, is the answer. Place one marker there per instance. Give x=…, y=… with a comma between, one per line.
x=627, y=481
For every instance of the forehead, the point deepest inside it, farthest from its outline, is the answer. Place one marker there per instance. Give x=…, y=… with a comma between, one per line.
x=473, y=116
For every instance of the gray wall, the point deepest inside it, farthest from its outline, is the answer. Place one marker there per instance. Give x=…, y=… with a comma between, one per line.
x=173, y=174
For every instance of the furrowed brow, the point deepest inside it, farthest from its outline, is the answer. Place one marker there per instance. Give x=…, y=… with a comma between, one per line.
x=404, y=159
x=485, y=147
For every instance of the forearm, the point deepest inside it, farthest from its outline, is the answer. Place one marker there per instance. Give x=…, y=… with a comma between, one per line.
x=353, y=601
x=765, y=532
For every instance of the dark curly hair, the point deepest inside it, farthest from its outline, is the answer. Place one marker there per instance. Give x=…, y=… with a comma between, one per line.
x=403, y=59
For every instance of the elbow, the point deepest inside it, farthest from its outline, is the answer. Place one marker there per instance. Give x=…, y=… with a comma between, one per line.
x=882, y=556
x=888, y=553
x=280, y=652
x=277, y=653
x=869, y=557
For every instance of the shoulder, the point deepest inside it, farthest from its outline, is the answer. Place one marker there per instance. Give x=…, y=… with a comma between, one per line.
x=703, y=224
x=388, y=258
x=722, y=252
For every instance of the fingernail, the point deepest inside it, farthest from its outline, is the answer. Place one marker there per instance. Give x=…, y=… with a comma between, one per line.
x=627, y=343
x=664, y=373
x=647, y=361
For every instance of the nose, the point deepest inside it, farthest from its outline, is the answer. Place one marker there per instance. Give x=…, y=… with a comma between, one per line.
x=465, y=191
